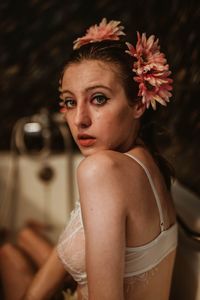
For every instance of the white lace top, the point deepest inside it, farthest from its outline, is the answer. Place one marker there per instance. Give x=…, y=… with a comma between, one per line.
x=138, y=260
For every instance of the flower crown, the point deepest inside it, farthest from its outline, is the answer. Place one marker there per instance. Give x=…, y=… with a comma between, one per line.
x=150, y=65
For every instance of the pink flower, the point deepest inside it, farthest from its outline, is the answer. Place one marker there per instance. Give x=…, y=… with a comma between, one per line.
x=152, y=71
x=104, y=31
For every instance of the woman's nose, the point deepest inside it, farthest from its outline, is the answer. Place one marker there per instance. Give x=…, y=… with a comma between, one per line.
x=82, y=117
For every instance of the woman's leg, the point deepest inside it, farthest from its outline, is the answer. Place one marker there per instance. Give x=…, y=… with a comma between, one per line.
x=19, y=264
x=16, y=272
x=34, y=245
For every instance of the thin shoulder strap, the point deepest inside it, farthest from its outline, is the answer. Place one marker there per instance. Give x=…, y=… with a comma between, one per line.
x=153, y=188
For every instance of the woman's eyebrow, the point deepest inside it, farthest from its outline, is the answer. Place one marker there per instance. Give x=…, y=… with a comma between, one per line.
x=88, y=89
x=65, y=91
x=98, y=86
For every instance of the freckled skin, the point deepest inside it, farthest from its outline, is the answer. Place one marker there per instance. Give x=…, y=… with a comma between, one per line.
x=113, y=124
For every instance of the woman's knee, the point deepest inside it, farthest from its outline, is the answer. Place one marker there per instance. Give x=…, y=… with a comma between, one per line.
x=13, y=259
x=6, y=251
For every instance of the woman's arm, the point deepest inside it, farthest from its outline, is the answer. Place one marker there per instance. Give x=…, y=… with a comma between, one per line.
x=48, y=279
x=104, y=214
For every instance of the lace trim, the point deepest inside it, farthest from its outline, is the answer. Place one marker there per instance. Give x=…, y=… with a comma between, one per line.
x=144, y=278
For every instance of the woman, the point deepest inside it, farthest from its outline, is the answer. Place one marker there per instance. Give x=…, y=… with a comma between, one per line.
x=121, y=240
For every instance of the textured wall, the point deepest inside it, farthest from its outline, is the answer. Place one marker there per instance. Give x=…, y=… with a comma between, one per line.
x=36, y=38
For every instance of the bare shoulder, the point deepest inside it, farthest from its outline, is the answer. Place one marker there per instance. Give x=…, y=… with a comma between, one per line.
x=100, y=162
x=101, y=179
x=110, y=175
x=110, y=164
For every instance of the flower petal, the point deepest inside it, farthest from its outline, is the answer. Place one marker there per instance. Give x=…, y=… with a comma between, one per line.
x=104, y=31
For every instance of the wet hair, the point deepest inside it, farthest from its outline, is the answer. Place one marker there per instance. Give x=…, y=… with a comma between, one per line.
x=113, y=52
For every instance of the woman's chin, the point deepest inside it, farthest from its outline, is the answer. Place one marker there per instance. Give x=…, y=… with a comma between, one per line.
x=91, y=150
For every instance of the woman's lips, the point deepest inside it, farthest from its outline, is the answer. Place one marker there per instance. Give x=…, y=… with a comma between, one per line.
x=86, y=140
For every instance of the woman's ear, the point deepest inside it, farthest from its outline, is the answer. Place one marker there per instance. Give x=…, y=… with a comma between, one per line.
x=138, y=109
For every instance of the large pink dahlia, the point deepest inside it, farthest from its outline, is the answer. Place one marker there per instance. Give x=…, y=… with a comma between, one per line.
x=152, y=71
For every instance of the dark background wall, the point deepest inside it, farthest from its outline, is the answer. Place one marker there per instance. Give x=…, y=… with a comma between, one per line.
x=36, y=38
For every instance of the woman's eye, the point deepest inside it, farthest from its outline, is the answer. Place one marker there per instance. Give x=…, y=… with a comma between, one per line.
x=69, y=103
x=99, y=99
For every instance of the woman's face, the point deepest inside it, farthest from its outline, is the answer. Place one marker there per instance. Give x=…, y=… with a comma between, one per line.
x=96, y=107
